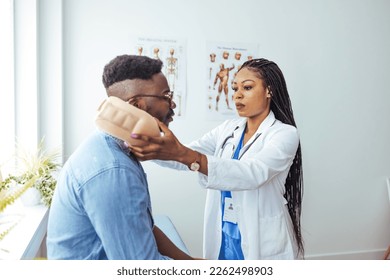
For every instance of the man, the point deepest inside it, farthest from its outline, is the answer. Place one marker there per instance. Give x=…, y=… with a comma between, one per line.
x=101, y=207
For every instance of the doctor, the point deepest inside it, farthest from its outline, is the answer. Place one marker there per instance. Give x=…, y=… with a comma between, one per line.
x=251, y=167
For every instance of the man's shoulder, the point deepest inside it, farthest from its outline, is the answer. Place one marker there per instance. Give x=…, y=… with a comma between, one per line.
x=99, y=153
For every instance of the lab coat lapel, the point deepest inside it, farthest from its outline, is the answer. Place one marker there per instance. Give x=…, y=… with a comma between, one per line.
x=268, y=122
x=238, y=132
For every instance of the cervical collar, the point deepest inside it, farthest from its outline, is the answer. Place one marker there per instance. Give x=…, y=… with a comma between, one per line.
x=120, y=119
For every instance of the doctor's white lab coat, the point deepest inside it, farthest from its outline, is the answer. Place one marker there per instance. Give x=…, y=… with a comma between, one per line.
x=256, y=182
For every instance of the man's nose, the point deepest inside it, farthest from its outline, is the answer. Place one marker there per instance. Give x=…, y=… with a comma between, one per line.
x=173, y=104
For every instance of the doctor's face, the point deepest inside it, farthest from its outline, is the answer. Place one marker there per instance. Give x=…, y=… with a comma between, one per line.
x=251, y=97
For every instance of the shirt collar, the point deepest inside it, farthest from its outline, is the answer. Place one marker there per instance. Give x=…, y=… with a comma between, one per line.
x=121, y=144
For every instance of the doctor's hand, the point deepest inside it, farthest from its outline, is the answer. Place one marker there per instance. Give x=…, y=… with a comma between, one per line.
x=165, y=147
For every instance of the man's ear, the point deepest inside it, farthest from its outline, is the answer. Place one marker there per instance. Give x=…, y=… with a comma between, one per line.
x=139, y=103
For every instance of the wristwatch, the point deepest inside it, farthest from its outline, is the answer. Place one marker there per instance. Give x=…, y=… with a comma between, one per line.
x=195, y=166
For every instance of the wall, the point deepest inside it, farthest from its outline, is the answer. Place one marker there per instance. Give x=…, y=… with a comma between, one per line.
x=334, y=55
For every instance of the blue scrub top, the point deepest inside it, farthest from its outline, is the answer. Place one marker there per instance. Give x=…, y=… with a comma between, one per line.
x=231, y=237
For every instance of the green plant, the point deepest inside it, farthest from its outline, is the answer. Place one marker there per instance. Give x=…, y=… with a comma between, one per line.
x=37, y=171
x=9, y=195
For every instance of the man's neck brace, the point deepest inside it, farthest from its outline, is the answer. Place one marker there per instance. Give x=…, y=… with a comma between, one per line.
x=120, y=119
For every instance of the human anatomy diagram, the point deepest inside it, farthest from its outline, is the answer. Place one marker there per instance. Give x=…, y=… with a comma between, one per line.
x=224, y=59
x=172, y=72
x=171, y=51
x=222, y=78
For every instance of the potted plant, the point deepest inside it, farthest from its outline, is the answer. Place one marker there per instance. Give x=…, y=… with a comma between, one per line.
x=8, y=195
x=38, y=172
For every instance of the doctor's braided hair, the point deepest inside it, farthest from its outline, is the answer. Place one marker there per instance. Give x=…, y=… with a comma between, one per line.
x=273, y=79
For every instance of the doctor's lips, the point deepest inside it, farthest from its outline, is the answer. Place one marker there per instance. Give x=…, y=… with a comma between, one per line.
x=239, y=105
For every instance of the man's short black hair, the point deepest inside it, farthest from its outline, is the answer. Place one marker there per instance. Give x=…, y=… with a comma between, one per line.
x=130, y=67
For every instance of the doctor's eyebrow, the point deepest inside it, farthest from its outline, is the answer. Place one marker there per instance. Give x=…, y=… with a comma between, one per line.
x=247, y=80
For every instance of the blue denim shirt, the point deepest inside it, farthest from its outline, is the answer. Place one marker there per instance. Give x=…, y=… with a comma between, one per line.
x=101, y=207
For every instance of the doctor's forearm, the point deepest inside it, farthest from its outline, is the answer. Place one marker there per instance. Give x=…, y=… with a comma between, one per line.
x=189, y=156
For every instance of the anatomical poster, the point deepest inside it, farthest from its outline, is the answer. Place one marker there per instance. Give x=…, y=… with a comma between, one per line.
x=223, y=61
x=172, y=52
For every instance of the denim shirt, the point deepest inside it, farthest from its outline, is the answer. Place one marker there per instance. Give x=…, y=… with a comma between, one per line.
x=101, y=207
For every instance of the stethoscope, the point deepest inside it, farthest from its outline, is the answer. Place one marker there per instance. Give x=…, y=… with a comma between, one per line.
x=225, y=143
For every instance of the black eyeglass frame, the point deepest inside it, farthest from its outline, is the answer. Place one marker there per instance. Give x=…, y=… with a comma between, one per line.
x=168, y=96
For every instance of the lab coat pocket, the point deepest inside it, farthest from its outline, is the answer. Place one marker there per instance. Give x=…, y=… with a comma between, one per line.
x=273, y=237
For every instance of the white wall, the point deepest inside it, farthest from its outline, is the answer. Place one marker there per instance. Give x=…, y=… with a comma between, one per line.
x=335, y=58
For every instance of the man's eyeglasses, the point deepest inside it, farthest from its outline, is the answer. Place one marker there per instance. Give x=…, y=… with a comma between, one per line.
x=168, y=96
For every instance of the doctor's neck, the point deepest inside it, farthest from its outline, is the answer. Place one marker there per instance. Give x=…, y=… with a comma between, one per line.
x=253, y=123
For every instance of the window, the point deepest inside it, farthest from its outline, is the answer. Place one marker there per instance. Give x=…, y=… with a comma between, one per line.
x=19, y=104
x=19, y=80
x=7, y=104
